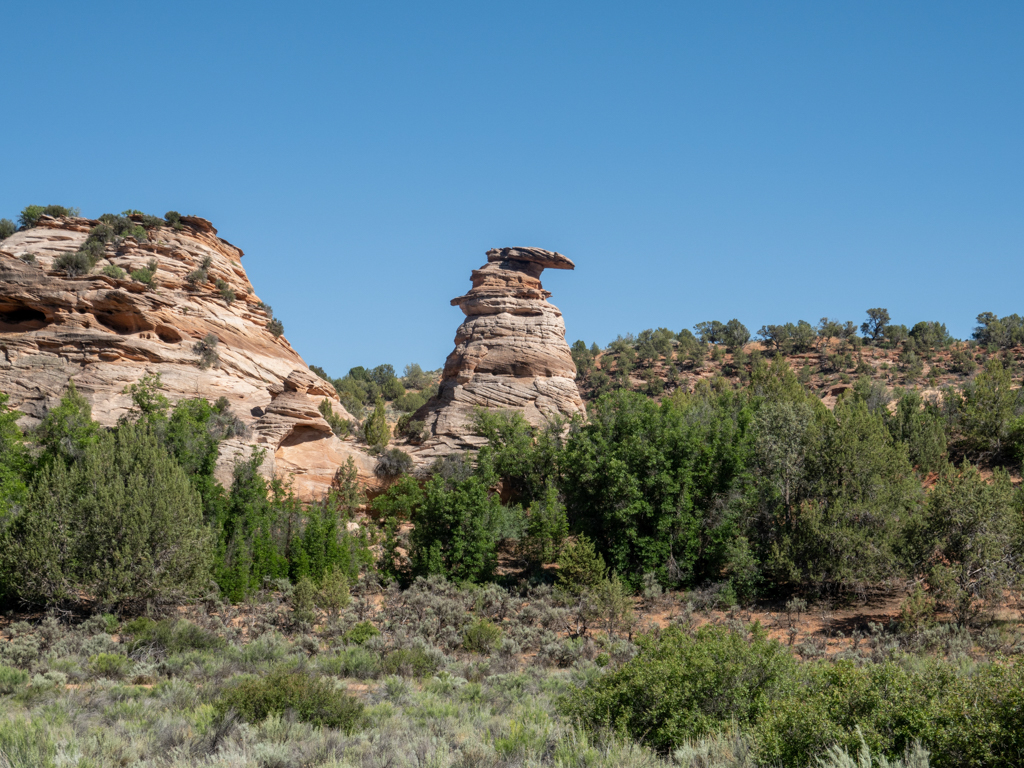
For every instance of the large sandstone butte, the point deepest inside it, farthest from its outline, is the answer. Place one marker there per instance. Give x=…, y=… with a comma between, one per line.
x=107, y=333
x=510, y=352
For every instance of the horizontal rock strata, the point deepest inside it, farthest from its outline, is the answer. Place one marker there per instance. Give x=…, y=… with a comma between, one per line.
x=107, y=333
x=510, y=353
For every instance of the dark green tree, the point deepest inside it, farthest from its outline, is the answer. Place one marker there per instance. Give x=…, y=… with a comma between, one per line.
x=525, y=459
x=648, y=484
x=1005, y=332
x=874, y=326
x=14, y=462
x=989, y=409
x=972, y=542
x=452, y=534
x=735, y=334
x=67, y=430
x=920, y=427
x=546, y=529
x=710, y=331
x=121, y=523
x=376, y=428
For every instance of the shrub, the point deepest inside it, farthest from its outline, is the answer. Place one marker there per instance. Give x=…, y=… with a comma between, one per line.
x=376, y=427
x=313, y=700
x=996, y=332
x=415, y=377
x=275, y=326
x=333, y=595
x=28, y=258
x=961, y=362
x=114, y=271
x=411, y=662
x=146, y=274
x=965, y=717
x=206, y=349
x=225, y=291
x=580, y=566
x=110, y=665
x=360, y=633
x=970, y=540
x=170, y=636
x=7, y=228
x=412, y=429
x=452, y=534
x=684, y=686
x=339, y=426
x=481, y=637
x=124, y=481
x=393, y=463
x=413, y=401
x=173, y=218
x=29, y=216
x=11, y=680
x=303, y=600
x=546, y=529
x=652, y=474
x=196, y=277
x=31, y=213
x=73, y=264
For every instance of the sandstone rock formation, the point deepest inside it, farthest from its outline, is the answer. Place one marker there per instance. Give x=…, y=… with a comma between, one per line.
x=109, y=332
x=510, y=353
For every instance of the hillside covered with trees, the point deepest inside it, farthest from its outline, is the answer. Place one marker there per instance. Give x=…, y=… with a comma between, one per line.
x=586, y=592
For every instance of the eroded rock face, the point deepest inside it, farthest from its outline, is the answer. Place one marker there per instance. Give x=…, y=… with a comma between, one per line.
x=108, y=333
x=510, y=353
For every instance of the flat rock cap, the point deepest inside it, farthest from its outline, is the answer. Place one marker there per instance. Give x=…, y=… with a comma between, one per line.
x=547, y=259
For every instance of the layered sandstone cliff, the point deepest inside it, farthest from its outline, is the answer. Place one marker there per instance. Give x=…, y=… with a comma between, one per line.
x=510, y=352
x=107, y=333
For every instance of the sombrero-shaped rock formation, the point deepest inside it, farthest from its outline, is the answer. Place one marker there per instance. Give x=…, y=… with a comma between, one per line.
x=510, y=353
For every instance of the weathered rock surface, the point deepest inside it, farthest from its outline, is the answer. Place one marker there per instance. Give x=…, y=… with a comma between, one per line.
x=108, y=333
x=510, y=353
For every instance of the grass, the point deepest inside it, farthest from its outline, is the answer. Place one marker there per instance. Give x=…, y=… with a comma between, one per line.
x=223, y=685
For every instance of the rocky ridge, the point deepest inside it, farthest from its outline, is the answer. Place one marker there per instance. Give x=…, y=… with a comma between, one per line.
x=107, y=333
x=510, y=353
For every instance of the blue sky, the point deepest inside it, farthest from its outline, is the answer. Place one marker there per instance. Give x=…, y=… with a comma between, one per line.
x=766, y=161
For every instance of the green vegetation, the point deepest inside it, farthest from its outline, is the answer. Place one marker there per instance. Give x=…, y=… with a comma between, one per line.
x=7, y=228
x=31, y=213
x=114, y=271
x=673, y=514
x=73, y=264
x=480, y=674
x=313, y=700
x=393, y=463
x=340, y=426
x=360, y=388
x=376, y=428
x=146, y=274
x=686, y=685
x=206, y=351
x=226, y=291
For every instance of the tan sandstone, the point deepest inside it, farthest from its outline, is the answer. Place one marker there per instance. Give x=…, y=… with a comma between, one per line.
x=108, y=333
x=510, y=352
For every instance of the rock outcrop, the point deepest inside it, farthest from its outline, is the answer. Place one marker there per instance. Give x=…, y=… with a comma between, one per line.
x=108, y=332
x=510, y=353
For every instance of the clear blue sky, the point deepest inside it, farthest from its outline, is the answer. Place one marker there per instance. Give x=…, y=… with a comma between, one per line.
x=766, y=161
